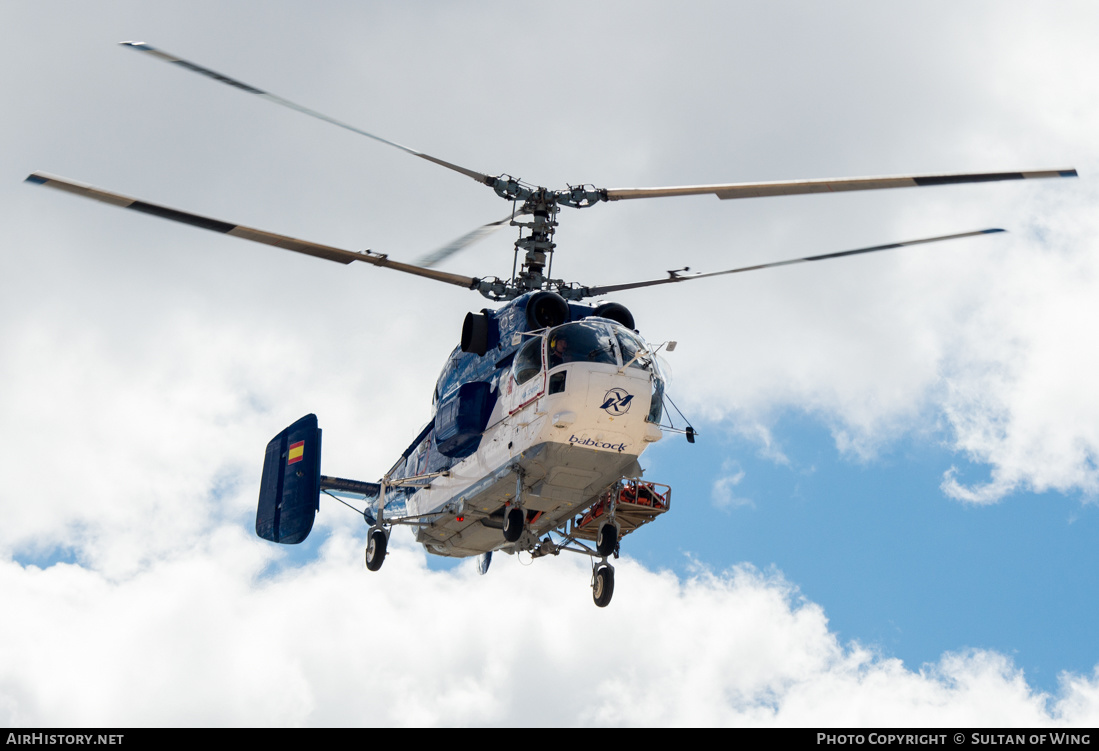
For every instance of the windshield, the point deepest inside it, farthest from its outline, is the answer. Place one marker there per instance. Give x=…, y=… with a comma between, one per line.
x=583, y=341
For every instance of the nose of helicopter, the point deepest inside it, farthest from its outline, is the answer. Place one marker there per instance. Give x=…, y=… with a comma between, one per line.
x=600, y=408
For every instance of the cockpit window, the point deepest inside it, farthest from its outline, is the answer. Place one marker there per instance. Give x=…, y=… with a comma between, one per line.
x=631, y=346
x=528, y=360
x=581, y=342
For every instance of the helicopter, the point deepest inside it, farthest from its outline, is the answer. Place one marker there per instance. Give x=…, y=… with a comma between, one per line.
x=542, y=411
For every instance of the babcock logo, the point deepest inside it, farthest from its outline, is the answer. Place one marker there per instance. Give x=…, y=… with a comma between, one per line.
x=616, y=402
x=619, y=447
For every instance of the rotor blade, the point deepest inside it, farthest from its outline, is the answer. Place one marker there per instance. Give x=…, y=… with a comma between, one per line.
x=142, y=47
x=441, y=254
x=675, y=276
x=326, y=252
x=828, y=185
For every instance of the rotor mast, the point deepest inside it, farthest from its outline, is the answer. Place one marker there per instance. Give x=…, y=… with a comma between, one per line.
x=535, y=239
x=538, y=245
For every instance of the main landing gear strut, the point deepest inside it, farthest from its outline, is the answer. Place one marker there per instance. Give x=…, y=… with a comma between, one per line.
x=606, y=542
x=605, y=533
x=602, y=580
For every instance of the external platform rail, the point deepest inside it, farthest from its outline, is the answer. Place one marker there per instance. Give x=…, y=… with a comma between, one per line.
x=634, y=502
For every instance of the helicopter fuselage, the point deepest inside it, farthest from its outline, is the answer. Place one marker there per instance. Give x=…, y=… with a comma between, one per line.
x=544, y=421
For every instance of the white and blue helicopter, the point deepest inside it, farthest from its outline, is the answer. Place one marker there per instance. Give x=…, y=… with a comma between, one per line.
x=542, y=411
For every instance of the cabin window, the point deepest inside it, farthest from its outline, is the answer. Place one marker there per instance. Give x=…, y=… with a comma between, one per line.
x=528, y=361
x=446, y=378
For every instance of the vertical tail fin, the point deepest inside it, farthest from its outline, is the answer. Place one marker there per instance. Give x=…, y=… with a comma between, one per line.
x=289, y=493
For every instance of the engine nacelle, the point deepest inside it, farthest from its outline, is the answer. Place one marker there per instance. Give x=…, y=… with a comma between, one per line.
x=616, y=312
x=475, y=333
x=546, y=310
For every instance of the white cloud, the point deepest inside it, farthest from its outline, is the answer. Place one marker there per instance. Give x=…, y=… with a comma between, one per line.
x=1018, y=391
x=202, y=638
x=721, y=492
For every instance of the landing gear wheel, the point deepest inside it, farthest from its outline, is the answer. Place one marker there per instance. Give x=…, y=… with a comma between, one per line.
x=514, y=521
x=375, y=549
x=602, y=588
x=606, y=539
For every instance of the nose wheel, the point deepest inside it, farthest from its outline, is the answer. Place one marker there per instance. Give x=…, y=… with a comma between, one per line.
x=607, y=539
x=602, y=585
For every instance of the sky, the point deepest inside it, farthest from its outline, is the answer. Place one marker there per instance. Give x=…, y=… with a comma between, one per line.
x=888, y=518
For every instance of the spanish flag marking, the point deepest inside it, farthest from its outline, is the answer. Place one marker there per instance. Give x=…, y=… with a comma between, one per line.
x=297, y=452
